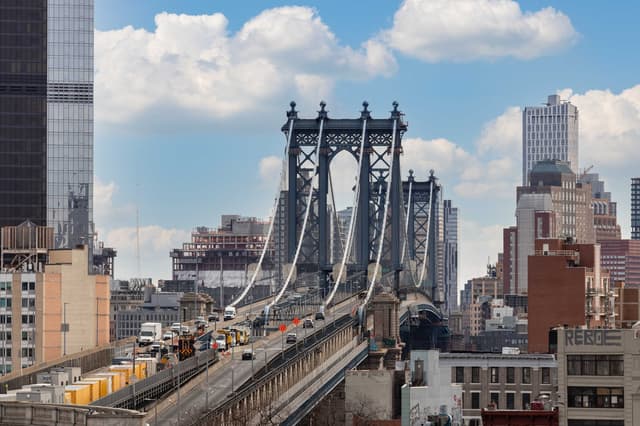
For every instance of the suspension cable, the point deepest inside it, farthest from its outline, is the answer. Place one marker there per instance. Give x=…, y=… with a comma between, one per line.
x=304, y=224
x=354, y=213
x=335, y=213
x=426, y=243
x=406, y=224
x=271, y=225
x=384, y=221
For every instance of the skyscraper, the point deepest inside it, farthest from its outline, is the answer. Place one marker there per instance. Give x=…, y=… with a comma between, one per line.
x=635, y=208
x=46, y=116
x=549, y=132
x=605, y=220
x=450, y=256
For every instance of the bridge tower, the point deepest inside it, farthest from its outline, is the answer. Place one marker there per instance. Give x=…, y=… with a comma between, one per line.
x=375, y=137
x=422, y=201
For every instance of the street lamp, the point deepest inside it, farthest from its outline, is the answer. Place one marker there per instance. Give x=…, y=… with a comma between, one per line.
x=64, y=327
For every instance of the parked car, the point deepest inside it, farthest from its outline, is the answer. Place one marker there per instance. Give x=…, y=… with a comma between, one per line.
x=307, y=323
x=248, y=354
x=168, y=335
x=319, y=316
x=214, y=317
x=292, y=337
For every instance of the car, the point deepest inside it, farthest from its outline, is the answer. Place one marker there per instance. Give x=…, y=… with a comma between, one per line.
x=214, y=317
x=168, y=335
x=292, y=338
x=199, y=318
x=175, y=327
x=307, y=323
x=248, y=354
x=319, y=316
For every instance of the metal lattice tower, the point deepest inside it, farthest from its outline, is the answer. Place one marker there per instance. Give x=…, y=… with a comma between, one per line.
x=422, y=232
x=343, y=135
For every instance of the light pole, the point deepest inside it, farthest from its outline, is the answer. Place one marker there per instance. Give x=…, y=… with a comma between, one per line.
x=65, y=327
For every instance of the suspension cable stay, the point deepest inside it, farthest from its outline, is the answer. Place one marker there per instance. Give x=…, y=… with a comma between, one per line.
x=271, y=224
x=426, y=244
x=352, y=220
x=384, y=224
x=308, y=208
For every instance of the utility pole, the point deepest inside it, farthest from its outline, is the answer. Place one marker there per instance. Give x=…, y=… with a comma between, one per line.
x=195, y=283
x=221, y=283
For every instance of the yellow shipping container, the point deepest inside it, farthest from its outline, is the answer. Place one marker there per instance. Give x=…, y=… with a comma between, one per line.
x=125, y=370
x=94, y=386
x=105, y=384
x=116, y=382
x=80, y=394
x=109, y=379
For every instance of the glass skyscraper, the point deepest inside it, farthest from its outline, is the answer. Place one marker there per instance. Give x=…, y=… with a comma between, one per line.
x=635, y=208
x=46, y=116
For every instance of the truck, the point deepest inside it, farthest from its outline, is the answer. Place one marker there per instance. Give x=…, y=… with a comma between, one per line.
x=221, y=341
x=150, y=332
x=242, y=334
x=229, y=313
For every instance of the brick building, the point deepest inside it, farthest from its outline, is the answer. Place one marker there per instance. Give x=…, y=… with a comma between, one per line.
x=622, y=259
x=566, y=286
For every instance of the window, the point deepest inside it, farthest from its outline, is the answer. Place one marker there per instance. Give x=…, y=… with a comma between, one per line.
x=590, y=365
x=526, y=375
x=546, y=376
x=511, y=400
x=495, y=375
x=459, y=374
x=475, y=400
x=475, y=374
x=495, y=397
x=596, y=397
x=5, y=285
x=511, y=375
x=526, y=400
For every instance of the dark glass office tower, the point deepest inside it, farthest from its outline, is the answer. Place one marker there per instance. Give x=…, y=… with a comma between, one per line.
x=23, y=111
x=46, y=116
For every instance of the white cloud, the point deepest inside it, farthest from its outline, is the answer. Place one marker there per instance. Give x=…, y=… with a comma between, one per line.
x=478, y=244
x=155, y=244
x=269, y=169
x=192, y=63
x=466, y=30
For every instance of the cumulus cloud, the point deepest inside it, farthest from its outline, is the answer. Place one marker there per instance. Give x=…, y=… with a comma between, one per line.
x=466, y=30
x=269, y=169
x=155, y=244
x=193, y=63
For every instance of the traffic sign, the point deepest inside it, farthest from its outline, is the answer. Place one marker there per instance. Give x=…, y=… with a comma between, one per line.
x=283, y=328
x=215, y=345
x=296, y=321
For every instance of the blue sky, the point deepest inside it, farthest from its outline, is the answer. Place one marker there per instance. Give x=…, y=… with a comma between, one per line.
x=188, y=110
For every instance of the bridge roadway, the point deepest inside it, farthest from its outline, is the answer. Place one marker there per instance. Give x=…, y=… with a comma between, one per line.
x=212, y=388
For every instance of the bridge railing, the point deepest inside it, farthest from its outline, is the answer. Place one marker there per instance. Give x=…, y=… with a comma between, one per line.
x=278, y=364
x=133, y=396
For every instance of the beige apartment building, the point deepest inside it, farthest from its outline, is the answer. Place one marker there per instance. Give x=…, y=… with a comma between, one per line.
x=52, y=309
x=598, y=376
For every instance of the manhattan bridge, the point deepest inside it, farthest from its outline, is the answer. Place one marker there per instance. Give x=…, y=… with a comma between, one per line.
x=390, y=243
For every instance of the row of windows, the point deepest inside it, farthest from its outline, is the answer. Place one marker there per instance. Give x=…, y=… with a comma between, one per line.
x=595, y=365
x=494, y=398
x=509, y=372
x=5, y=285
x=26, y=319
x=596, y=397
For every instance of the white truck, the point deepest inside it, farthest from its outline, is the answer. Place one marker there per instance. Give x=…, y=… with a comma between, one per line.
x=150, y=332
x=229, y=313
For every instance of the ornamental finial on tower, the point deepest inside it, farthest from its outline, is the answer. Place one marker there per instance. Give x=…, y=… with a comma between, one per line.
x=322, y=113
x=365, y=113
x=395, y=113
x=292, y=113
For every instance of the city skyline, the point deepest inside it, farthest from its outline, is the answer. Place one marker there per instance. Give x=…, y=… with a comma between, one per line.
x=145, y=149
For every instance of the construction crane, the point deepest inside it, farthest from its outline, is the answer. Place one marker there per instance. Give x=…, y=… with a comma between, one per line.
x=584, y=172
